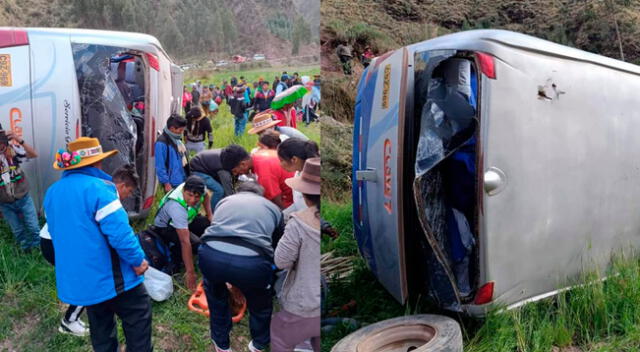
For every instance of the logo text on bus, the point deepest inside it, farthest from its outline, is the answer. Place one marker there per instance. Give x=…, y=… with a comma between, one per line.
x=387, y=175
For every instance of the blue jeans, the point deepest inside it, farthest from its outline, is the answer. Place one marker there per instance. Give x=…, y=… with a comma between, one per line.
x=23, y=220
x=214, y=186
x=240, y=124
x=253, y=276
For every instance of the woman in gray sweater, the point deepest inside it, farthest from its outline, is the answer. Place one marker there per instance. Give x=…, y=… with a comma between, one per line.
x=299, y=252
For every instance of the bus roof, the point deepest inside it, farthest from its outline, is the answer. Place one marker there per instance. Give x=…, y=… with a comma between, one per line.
x=486, y=39
x=131, y=40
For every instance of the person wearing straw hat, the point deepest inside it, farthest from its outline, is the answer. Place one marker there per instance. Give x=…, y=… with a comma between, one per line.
x=298, y=252
x=264, y=122
x=99, y=261
x=126, y=181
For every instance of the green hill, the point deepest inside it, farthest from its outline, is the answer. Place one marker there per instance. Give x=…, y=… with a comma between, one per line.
x=213, y=29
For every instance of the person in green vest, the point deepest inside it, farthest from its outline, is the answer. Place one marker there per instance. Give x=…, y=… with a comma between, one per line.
x=179, y=224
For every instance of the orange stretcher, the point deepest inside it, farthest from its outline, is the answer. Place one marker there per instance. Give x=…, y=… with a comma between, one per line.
x=237, y=301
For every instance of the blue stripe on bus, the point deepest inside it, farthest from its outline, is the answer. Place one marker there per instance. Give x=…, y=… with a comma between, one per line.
x=363, y=108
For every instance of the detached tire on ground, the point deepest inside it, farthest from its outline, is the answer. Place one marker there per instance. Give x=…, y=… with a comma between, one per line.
x=413, y=333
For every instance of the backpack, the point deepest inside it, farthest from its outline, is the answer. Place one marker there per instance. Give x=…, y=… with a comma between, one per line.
x=156, y=252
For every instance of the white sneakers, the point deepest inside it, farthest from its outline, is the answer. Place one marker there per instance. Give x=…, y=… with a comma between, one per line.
x=218, y=349
x=253, y=348
x=304, y=346
x=76, y=328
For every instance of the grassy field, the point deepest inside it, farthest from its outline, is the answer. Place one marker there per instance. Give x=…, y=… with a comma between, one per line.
x=604, y=316
x=216, y=77
x=31, y=311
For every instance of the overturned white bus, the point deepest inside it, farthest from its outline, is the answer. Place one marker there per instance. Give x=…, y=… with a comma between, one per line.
x=59, y=84
x=492, y=167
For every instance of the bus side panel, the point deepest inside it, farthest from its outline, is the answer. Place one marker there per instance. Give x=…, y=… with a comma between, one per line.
x=565, y=141
x=15, y=100
x=155, y=124
x=380, y=150
x=56, y=106
x=364, y=99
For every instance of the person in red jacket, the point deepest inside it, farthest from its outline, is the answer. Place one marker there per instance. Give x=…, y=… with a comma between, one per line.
x=286, y=116
x=228, y=90
x=271, y=175
x=186, y=99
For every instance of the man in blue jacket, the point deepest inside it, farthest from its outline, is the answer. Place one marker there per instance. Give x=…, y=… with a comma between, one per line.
x=99, y=261
x=171, y=154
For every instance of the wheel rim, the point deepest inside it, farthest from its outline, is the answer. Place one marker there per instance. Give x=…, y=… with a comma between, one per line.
x=403, y=338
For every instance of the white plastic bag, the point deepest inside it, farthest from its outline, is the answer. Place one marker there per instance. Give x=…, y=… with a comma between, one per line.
x=158, y=284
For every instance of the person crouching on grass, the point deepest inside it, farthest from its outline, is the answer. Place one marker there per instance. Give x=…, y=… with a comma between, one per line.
x=178, y=218
x=99, y=261
x=126, y=181
x=298, y=251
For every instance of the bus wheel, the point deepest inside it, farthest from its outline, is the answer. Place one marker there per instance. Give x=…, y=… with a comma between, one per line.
x=419, y=333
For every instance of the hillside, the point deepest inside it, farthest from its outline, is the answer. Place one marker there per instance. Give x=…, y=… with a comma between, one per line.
x=610, y=27
x=211, y=29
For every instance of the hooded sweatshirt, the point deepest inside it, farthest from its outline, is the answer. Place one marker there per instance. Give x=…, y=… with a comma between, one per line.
x=171, y=158
x=299, y=252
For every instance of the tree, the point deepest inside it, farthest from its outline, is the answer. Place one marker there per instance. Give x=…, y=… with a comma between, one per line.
x=229, y=29
x=301, y=34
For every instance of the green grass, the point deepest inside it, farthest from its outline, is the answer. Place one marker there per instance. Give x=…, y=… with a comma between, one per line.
x=251, y=76
x=601, y=316
x=373, y=303
x=340, y=215
x=30, y=311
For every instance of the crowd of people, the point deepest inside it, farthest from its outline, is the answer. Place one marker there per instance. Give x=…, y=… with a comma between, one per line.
x=249, y=219
x=246, y=100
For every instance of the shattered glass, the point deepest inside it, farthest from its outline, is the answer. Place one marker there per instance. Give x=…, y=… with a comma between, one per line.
x=447, y=122
x=448, y=119
x=104, y=111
